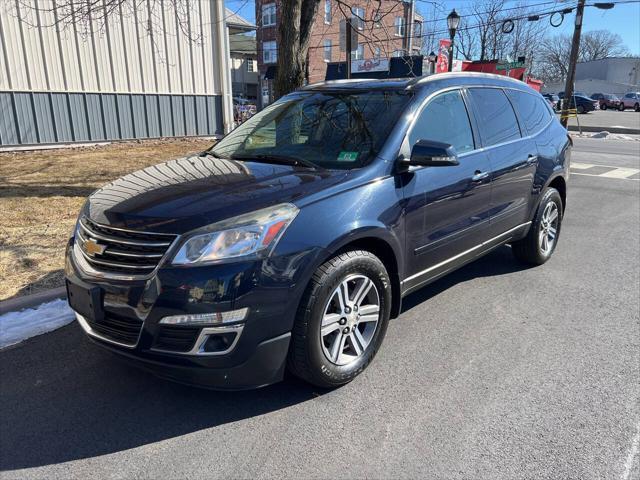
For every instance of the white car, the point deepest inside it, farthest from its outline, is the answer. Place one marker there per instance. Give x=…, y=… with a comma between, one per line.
x=630, y=100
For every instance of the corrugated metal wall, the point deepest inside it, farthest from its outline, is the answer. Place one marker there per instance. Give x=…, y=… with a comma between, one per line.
x=112, y=81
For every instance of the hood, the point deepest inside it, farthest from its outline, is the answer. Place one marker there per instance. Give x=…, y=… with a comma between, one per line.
x=191, y=192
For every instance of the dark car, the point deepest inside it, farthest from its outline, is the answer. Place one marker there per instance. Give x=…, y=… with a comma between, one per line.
x=583, y=104
x=292, y=242
x=553, y=99
x=606, y=100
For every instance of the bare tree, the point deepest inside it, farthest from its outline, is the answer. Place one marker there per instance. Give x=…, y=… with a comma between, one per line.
x=554, y=52
x=598, y=44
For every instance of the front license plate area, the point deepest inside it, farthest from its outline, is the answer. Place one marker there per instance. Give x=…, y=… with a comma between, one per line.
x=86, y=299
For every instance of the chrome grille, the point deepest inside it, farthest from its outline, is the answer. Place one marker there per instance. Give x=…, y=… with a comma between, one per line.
x=115, y=250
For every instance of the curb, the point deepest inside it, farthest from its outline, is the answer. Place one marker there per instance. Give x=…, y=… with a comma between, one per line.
x=622, y=130
x=30, y=301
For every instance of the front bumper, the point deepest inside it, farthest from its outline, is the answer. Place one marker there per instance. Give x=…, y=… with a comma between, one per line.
x=271, y=290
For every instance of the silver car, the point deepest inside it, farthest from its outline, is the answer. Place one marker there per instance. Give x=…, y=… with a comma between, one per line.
x=630, y=100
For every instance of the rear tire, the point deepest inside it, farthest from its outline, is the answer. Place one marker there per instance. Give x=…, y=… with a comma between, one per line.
x=636, y=107
x=621, y=107
x=338, y=328
x=580, y=109
x=603, y=106
x=540, y=243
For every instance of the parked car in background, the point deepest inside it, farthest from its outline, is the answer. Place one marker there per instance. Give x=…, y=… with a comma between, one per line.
x=606, y=100
x=553, y=99
x=630, y=100
x=583, y=104
x=291, y=242
x=561, y=94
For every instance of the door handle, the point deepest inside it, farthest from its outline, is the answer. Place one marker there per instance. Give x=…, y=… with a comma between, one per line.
x=479, y=176
x=532, y=159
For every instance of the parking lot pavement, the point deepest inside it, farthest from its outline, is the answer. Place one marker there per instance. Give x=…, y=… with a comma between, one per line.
x=608, y=118
x=496, y=371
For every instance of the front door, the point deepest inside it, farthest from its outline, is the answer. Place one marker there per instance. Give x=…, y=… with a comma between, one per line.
x=446, y=208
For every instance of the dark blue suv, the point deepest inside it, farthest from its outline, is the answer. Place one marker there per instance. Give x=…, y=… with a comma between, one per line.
x=291, y=243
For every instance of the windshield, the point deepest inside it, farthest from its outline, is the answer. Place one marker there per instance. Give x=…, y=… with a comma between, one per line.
x=340, y=130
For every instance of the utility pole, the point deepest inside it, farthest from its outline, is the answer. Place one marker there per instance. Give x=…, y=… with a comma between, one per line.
x=347, y=41
x=573, y=59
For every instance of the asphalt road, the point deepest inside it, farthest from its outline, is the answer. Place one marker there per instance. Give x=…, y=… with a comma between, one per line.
x=496, y=371
x=609, y=118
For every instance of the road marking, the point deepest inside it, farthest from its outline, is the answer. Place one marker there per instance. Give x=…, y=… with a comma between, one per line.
x=581, y=166
x=631, y=457
x=623, y=173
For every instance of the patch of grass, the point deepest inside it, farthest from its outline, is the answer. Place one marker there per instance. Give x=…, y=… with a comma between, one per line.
x=41, y=193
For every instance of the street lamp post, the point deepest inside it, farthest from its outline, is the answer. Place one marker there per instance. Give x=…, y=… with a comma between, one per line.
x=453, y=20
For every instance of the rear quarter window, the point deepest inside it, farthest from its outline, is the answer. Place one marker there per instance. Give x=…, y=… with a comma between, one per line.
x=531, y=109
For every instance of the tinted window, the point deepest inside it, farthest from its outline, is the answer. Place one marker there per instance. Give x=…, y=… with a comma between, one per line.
x=498, y=122
x=444, y=119
x=531, y=110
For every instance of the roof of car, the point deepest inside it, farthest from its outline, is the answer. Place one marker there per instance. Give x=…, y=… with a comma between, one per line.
x=459, y=78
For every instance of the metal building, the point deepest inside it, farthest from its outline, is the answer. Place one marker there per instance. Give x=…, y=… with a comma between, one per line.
x=137, y=75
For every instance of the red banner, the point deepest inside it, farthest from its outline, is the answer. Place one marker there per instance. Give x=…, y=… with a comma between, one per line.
x=443, y=56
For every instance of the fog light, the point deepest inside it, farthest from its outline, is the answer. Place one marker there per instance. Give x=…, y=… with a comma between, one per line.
x=216, y=318
x=220, y=342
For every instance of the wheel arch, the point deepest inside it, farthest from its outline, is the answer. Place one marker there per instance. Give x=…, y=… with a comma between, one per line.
x=560, y=184
x=384, y=246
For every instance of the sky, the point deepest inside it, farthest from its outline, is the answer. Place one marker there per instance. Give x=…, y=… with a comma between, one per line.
x=623, y=19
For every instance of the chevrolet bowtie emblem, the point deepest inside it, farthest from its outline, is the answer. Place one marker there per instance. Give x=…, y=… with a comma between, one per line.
x=94, y=248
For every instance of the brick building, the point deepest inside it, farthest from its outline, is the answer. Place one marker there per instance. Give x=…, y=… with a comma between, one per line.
x=382, y=28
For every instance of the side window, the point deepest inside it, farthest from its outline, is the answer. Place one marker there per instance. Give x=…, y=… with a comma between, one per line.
x=444, y=119
x=497, y=120
x=532, y=111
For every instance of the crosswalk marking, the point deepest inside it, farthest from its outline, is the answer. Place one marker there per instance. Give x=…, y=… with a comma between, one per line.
x=623, y=173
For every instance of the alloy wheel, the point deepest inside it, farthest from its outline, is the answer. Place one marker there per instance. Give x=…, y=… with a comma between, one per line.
x=350, y=319
x=548, y=228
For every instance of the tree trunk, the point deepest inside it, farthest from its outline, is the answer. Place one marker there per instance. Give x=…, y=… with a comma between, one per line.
x=296, y=22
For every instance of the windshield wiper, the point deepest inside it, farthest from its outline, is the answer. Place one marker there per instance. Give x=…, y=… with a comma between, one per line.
x=275, y=158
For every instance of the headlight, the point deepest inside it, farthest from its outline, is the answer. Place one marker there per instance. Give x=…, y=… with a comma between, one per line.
x=255, y=233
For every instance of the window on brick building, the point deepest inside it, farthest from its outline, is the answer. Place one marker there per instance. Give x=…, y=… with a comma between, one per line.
x=400, y=26
x=357, y=17
x=327, y=11
x=269, y=15
x=358, y=54
x=269, y=52
x=327, y=50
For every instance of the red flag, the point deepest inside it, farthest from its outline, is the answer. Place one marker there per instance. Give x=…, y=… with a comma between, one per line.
x=443, y=56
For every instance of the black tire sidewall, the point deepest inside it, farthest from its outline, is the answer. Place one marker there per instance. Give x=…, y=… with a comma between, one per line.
x=551, y=195
x=329, y=372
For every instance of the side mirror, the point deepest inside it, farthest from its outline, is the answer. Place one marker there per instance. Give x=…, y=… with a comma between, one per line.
x=428, y=153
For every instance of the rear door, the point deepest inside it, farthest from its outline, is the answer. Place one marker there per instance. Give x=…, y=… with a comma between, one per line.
x=512, y=155
x=446, y=208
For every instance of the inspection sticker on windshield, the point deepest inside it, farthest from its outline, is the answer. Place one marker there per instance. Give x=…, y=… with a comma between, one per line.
x=347, y=156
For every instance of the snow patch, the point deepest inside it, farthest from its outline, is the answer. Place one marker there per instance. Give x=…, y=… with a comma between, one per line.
x=18, y=326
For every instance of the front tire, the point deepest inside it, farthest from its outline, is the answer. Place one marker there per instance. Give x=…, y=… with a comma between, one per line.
x=603, y=106
x=621, y=107
x=342, y=319
x=636, y=107
x=580, y=109
x=540, y=243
